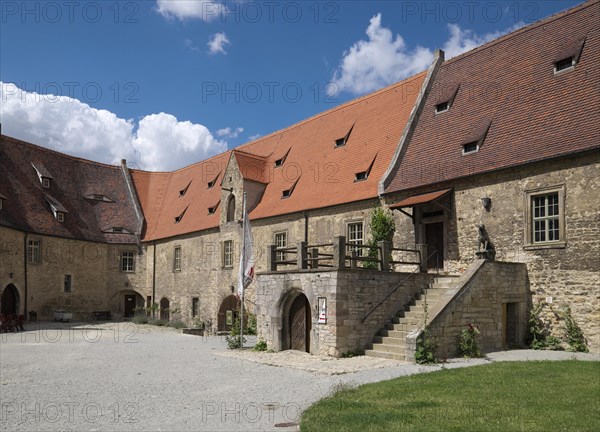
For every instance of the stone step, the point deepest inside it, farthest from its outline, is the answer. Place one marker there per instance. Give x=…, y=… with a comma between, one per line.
x=389, y=340
x=398, y=334
x=396, y=349
x=385, y=355
x=445, y=279
x=401, y=326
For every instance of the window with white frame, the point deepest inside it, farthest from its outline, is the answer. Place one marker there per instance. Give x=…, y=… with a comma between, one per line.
x=228, y=253
x=355, y=236
x=280, y=242
x=177, y=259
x=127, y=262
x=34, y=251
x=545, y=217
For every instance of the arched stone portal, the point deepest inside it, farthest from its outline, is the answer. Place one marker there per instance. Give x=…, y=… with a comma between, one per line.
x=298, y=325
x=164, y=309
x=228, y=312
x=9, y=302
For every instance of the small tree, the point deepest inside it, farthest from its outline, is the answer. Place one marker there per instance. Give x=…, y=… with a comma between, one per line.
x=382, y=228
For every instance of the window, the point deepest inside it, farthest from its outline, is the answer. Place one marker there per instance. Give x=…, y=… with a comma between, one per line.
x=46, y=182
x=212, y=210
x=127, y=262
x=279, y=162
x=355, y=236
x=545, y=218
x=564, y=64
x=340, y=142
x=471, y=147
x=34, y=251
x=177, y=259
x=67, y=284
x=213, y=181
x=231, y=209
x=98, y=197
x=195, y=304
x=60, y=216
x=183, y=191
x=180, y=217
x=228, y=253
x=117, y=230
x=361, y=176
x=288, y=192
x=280, y=242
x=442, y=107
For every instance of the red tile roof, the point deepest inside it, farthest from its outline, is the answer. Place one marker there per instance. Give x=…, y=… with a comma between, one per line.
x=420, y=199
x=324, y=175
x=510, y=82
x=27, y=205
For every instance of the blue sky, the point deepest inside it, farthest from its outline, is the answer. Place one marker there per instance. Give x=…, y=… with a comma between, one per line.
x=166, y=83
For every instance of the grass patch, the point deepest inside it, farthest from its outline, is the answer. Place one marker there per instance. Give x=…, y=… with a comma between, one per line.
x=506, y=396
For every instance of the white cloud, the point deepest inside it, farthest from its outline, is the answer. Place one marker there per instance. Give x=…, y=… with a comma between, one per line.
x=216, y=43
x=160, y=142
x=384, y=59
x=204, y=10
x=229, y=132
x=254, y=137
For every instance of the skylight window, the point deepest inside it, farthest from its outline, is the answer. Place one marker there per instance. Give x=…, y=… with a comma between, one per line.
x=213, y=182
x=564, y=64
x=212, y=210
x=279, y=162
x=471, y=147
x=46, y=183
x=60, y=216
x=364, y=175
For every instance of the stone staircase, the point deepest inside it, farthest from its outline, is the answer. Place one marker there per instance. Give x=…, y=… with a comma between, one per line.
x=390, y=343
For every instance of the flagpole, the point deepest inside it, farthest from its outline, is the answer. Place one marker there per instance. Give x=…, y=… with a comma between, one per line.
x=242, y=273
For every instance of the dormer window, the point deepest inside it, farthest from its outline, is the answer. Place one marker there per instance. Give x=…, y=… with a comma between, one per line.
x=183, y=191
x=46, y=183
x=288, y=192
x=60, y=216
x=363, y=175
x=471, y=147
x=212, y=210
x=279, y=162
x=564, y=64
x=180, y=217
x=340, y=142
x=442, y=107
x=118, y=230
x=98, y=197
x=2, y=198
x=43, y=175
x=57, y=208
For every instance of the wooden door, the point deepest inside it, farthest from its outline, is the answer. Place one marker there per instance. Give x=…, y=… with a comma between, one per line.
x=299, y=324
x=129, y=308
x=164, y=309
x=9, y=301
x=230, y=304
x=434, y=237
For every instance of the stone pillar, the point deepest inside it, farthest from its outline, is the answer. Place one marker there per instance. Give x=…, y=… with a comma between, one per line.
x=353, y=262
x=339, y=252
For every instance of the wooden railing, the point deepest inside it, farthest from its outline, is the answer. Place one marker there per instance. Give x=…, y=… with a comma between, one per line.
x=339, y=254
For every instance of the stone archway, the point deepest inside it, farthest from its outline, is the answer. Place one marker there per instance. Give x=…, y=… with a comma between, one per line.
x=9, y=302
x=164, y=309
x=297, y=324
x=228, y=312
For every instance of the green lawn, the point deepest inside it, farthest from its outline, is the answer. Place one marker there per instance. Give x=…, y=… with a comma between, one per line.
x=506, y=397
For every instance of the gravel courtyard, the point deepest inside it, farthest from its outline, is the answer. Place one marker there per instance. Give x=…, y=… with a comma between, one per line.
x=125, y=377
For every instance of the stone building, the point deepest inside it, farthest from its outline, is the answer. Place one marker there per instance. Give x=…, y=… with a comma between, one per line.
x=508, y=137
x=503, y=136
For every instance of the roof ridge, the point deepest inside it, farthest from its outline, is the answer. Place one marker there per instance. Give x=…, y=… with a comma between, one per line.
x=56, y=152
x=524, y=29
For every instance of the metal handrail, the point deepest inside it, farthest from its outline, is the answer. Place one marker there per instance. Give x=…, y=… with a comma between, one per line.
x=393, y=291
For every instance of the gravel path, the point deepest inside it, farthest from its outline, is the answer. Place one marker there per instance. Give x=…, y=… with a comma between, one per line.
x=124, y=377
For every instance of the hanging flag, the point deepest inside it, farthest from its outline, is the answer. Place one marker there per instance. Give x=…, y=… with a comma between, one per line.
x=246, y=275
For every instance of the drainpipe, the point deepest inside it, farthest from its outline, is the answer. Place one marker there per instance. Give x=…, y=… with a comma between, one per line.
x=306, y=227
x=25, y=274
x=153, y=278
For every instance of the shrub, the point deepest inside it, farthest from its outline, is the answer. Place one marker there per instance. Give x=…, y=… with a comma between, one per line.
x=234, y=340
x=140, y=319
x=425, y=353
x=382, y=228
x=261, y=345
x=468, y=341
x=573, y=334
x=250, y=325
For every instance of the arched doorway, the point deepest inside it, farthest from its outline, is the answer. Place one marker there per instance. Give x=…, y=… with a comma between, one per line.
x=228, y=312
x=299, y=324
x=164, y=309
x=9, y=303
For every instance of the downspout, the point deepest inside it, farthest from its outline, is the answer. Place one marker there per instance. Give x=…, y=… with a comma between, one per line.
x=25, y=274
x=413, y=119
x=153, y=278
x=306, y=227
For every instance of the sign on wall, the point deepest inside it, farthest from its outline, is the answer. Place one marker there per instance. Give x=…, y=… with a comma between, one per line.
x=322, y=310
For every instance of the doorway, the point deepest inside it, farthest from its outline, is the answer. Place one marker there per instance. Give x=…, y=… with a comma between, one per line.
x=228, y=312
x=9, y=303
x=299, y=324
x=164, y=309
x=434, y=238
x=129, y=307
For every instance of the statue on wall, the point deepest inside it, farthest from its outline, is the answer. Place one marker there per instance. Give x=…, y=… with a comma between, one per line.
x=483, y=239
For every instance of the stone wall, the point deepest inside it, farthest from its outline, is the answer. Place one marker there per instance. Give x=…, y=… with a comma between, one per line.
x=480, y=297
x=350, y=295
x=565, y=274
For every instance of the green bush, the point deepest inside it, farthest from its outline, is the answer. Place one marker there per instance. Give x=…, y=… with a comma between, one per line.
x=573, y=334
x=261, y=345
x=140, y=319
x=234, y=340
x=250, y=325
x=425, y=353
x=382, y=227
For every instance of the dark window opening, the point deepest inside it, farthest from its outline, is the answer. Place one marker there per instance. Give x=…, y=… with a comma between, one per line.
x=442, y=107
x=471, y=147
x=361, y=176
x=180, y=217
x=184, y=190
x=231, y=209
x=340, y=142
x=195, y=304
x=564, y=64
x=67, y=283
x=288, y=192
x=213, y=182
